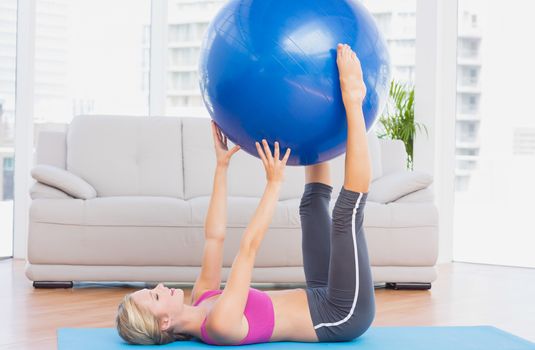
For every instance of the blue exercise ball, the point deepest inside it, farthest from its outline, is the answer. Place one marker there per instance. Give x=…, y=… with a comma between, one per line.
x=267, y=70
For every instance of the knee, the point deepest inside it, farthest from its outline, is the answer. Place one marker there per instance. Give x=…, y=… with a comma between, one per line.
x=365, y=320
x=359, y=331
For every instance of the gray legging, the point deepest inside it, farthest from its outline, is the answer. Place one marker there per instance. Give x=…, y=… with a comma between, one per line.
x=337, y=269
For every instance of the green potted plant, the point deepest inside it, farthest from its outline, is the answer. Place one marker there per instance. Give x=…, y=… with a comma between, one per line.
x=397, y=121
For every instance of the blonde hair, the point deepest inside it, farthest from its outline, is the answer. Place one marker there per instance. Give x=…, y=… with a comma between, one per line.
x=137, y=325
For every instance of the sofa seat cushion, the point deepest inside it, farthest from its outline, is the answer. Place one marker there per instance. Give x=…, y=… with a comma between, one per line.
x=113, y=211
x=240, y=211
x=168, y=211
x=391, y=215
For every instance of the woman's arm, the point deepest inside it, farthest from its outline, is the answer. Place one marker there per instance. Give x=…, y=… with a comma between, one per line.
x=215, y=224
x=254, y=233
x=227, y=314
x=216, y=219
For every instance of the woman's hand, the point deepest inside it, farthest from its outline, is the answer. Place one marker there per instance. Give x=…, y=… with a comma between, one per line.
x=222, y=153
x=273, y=165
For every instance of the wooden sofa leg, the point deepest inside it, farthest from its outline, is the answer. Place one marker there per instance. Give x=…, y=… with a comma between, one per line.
x=408, y=285
x=52, y=284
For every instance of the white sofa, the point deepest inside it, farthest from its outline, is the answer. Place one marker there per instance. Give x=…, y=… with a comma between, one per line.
x=130, y=203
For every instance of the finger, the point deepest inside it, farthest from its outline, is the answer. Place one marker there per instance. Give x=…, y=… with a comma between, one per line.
x=217, y=132
x=286, y=156
x=234, y=150
x=212, y=125
x=261, y=153
x=214, y=133
x=220, y=134
x=277, y=151
x=267, y=150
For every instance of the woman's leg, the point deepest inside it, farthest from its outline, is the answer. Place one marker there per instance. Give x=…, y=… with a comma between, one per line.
x=350, y=286
x=316, y=224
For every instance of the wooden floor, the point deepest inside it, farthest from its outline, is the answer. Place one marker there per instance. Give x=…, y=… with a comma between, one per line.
x=464, y=294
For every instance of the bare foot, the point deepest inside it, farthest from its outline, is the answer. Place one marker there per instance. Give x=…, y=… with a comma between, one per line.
x=350, y=71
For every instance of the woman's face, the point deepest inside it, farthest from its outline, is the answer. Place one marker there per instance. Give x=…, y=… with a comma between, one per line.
x=161, y=301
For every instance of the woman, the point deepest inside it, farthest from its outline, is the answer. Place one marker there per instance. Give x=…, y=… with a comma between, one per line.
x=338, y=303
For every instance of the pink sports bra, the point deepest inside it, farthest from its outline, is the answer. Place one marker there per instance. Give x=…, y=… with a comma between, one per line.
x=258, y=311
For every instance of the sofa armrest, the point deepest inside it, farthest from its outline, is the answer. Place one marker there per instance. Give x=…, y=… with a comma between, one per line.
x=398, y=184
x=51, y=147
x=63, y=180
x=41, y=191
x=393, y=156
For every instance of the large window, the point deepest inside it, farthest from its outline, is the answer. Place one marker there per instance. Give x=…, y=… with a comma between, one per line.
x=8, y=29
x=495, y=134
x=91, y=57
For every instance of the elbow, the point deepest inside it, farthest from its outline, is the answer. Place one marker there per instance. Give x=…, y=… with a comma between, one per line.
x=249, y=247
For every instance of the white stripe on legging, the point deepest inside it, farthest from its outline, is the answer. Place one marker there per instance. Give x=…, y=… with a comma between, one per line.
x=356, y=271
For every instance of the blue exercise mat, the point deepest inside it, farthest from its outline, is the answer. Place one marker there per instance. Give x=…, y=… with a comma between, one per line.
x=376, y=338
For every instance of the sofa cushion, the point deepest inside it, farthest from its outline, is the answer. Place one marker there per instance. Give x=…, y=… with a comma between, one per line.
x=40, y=190
x=127, y=156
x=423, y=195
x=113, y=211
x=63, y=180
x=398, y=184
x=392, y=215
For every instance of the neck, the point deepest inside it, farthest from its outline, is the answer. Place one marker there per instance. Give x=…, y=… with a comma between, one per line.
x=192, y=318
